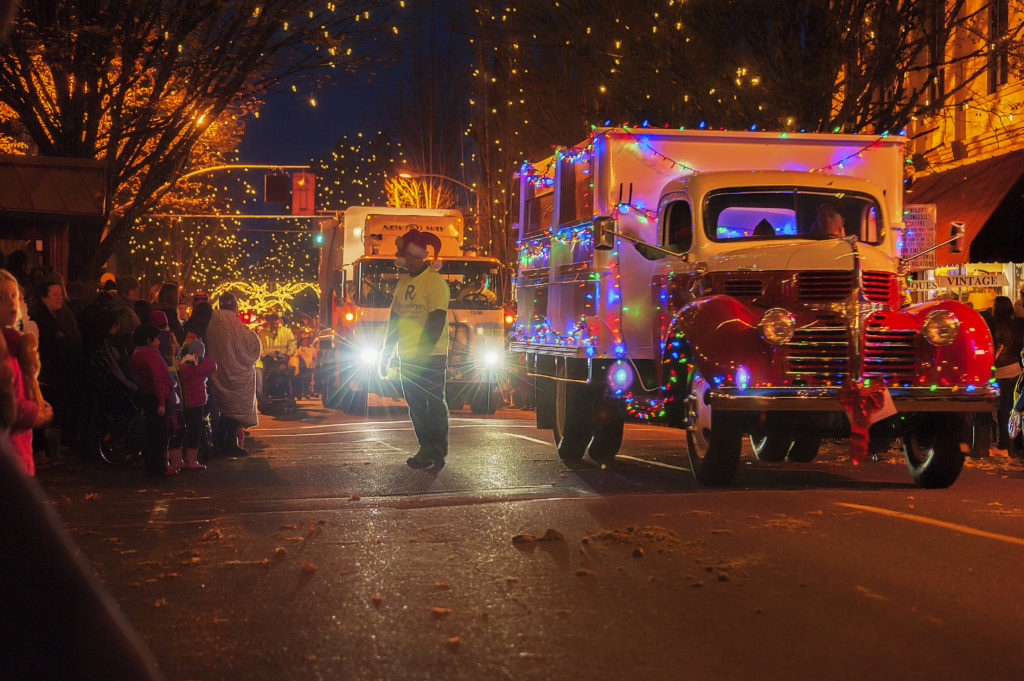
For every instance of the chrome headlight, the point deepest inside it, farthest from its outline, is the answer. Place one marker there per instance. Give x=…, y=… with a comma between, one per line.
x=777, y=326
x=940, y=327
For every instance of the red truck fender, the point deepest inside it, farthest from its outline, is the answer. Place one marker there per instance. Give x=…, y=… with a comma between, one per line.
x=968, y=359
x=719, y=337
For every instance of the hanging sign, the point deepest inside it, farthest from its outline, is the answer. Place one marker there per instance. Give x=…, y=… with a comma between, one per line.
x=919, y=234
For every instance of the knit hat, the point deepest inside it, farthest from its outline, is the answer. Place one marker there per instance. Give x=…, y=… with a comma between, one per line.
x=415, y=243
x=157, y=318
x=193, y=347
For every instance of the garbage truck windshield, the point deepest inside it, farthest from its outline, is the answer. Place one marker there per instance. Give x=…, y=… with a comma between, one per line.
x=474, y=284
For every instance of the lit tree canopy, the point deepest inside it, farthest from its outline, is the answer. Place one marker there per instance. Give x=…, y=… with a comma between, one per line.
x=138, y=83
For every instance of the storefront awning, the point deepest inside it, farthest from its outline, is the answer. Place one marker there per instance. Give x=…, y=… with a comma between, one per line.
x=975, y=194
x=46, y=188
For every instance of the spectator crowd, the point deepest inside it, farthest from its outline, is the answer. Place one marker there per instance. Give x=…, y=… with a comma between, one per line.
x=83, y=371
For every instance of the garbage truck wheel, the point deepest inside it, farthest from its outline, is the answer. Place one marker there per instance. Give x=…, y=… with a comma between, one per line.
x=714, y=439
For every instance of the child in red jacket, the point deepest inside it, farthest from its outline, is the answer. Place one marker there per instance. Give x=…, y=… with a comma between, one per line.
x=193, y=370
x=151, y=374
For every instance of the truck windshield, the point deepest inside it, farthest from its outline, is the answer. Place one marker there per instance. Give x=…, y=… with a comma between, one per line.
x=801, y=213
x=474, y=284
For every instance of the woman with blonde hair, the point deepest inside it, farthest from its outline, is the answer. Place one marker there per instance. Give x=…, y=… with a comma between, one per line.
x=31, y=411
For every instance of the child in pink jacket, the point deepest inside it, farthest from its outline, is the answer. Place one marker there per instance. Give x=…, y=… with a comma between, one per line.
x=193, y=370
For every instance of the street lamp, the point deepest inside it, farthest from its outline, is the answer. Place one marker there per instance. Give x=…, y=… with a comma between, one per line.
x=471, y=190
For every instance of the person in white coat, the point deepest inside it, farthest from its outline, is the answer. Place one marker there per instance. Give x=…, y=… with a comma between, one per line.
x=235, y=348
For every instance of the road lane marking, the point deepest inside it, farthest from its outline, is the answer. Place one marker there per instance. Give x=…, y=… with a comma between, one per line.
x=937, y=523
x=653, y=463
x=531, y=439
x=269, y=434
x=159, y=512
x=365, y=424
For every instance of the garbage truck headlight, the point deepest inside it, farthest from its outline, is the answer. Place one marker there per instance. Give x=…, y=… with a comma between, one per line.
x=777, y=326
x=940, y=327
x=369, y=356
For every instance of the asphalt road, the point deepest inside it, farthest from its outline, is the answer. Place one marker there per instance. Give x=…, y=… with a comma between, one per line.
x=322, y=556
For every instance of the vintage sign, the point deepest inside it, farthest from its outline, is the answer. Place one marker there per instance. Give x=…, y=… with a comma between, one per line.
x=960, y=281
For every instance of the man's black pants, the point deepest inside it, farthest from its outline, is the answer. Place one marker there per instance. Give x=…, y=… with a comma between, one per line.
x=423, y=385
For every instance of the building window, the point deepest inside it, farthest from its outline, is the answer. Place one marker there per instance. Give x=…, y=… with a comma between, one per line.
x=999, y=55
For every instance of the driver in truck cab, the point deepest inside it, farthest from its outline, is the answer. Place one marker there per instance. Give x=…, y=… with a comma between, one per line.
x=474, y=289
x=829, y=222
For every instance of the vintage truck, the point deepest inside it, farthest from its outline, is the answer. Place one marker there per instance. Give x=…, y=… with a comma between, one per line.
x=738, y=284
x=357, y=276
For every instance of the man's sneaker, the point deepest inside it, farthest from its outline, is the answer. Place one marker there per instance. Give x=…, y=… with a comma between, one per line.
x=421, y=460
x=426, y=457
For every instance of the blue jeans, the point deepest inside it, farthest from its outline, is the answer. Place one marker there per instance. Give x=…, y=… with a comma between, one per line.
x=423, y=386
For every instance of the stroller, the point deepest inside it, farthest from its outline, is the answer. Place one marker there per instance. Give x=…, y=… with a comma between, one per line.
x=278, y=395
x=120, y=431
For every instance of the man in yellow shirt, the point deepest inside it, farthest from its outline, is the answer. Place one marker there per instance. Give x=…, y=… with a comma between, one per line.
x=418, y=333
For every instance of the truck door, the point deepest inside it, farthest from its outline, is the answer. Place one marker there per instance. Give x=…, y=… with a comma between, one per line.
x=670, y=287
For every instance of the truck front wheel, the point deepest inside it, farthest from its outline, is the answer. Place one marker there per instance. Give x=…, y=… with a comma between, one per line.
x=572, y=428
x=714, y=439
x=932, y=449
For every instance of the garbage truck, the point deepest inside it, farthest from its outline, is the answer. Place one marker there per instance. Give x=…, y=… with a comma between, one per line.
x=739, y=285
x=357, y=277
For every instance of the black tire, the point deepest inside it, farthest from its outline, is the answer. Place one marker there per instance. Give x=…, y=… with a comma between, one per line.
x=572, y=429
x=122, y=438
x=932, y=449
x=804, y=449
x=609, y=423
x=486, y=401
x=769, y=446
x=353, y=401
x=330, y=391
x=714, y=439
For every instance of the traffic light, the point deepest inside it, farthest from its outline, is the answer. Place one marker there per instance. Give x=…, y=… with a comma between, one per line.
x=318, y=239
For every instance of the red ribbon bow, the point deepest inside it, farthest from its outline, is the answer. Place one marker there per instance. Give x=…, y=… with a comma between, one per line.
x=860, y=402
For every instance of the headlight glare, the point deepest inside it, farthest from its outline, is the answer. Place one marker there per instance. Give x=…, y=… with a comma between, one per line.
x=777, y=326
x=940, y=327
x=369, y=356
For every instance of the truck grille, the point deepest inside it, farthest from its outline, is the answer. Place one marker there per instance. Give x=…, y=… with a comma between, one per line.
x=880, y=287
x=889, y=354
x=832, y=286
x=744, y=287
x=827, y=286
x=819, y=355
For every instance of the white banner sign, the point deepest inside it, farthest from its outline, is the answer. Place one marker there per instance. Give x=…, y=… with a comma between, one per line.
x=960, y=281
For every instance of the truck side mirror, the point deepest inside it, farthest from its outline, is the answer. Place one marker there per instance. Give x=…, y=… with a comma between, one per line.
x=956, y=237
x=604, y=233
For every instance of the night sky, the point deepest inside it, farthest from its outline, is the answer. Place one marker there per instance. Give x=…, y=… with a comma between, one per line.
x=290, y=131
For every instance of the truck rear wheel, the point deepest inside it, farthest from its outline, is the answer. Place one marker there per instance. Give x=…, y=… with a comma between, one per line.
x=932, y=449
x=609, y=423
x=714, y=439
x=572, y=428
